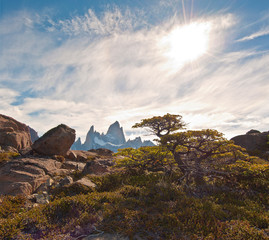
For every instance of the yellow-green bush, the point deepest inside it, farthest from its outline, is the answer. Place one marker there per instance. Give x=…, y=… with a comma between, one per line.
x=251, y=176
x=7, y=156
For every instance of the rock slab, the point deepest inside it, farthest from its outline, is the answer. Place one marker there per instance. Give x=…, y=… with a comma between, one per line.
x=25, y=175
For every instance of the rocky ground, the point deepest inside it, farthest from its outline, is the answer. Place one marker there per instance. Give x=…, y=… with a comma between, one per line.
x=46, y=163
x=30, y=174
x=38, y=170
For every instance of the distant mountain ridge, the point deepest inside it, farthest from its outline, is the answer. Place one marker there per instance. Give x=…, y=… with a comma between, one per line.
x=113, y=140
x=33, y=134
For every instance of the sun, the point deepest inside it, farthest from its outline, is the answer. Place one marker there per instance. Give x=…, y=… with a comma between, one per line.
x=186, y=43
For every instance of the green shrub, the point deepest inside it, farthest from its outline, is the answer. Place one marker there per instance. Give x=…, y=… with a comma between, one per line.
x=251, y=176
x=238, y=230
x=10, y=227
x=59, y=158
x=91, y=158
x=7, y=156
x=11, y=205
x=145, y=158
x=70, y=190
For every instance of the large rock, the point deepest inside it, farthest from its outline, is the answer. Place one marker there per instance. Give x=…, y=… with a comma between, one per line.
x=253, y=140
x=14, y=133
x=15, y=188
x=56, y=141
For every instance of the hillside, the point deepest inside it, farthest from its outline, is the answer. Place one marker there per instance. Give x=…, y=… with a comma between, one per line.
x=193, y=185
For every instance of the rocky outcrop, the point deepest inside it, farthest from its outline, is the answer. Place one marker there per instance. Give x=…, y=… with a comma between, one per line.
x=81, y=156
x=102, y=151
x=25, y=175
x=95, y=167
x=13, y=133
x=56, y=141
x=74, y=165
x=253, y=140
x=28, y=175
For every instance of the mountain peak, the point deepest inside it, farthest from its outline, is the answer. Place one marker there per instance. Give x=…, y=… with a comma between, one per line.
x=91, y=129
x=113, y=139
x=115, y=124
x=115, y=133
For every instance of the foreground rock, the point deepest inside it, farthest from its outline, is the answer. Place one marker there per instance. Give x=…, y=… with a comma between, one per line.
x=25, y=175
x=13, y=133
x=95, y=167
x=86, y=182
x=253, y=140
x=56, y=141
x=81, y=156
x=74, y=165
x=29, y=175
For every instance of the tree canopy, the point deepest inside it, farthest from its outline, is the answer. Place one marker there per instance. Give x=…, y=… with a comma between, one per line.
x=162, y=125
x=196, y=153
x=201, y=152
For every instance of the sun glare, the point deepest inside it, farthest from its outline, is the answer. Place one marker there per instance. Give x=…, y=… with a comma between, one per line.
x=185, y=43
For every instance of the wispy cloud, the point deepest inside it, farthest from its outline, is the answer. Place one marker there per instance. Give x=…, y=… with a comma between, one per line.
x=111, y=22
x=118, y=73
x=260, y=33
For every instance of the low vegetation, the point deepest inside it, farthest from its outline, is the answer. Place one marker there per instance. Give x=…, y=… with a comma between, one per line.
x=7, y=156
x=193, y=185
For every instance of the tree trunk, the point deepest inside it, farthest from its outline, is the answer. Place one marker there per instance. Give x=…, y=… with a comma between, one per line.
x=198, y=174
x=182, y=166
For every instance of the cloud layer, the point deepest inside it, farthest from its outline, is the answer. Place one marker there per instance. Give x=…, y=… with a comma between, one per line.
x=96, y=70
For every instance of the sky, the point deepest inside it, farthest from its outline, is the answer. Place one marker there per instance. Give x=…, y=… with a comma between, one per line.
x=86, y=62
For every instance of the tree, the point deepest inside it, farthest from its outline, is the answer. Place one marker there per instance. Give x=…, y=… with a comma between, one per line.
x=154, y=158
x=162, y=126
x=201, y=153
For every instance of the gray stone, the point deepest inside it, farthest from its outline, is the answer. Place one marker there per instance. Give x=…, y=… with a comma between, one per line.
x=86, y=182
x=74, y=165
x=67, y=180
x=42, y=198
